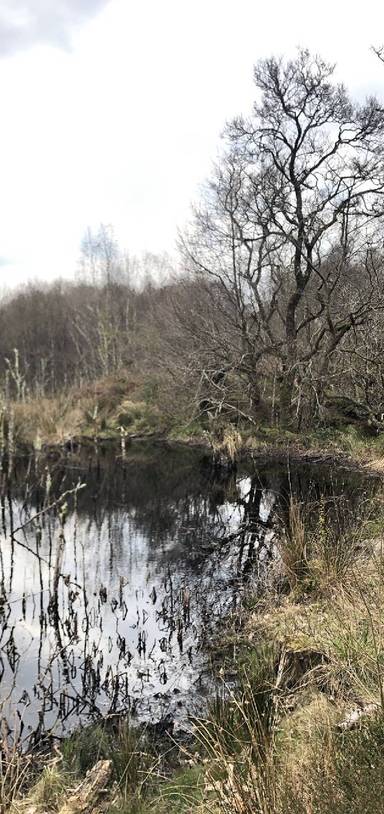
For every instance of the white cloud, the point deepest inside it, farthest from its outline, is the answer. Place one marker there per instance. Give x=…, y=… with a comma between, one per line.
x=24, y=23
x=122, y=128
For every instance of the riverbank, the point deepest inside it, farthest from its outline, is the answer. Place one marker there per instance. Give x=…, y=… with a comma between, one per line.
x=121, y=410
x=298, y=720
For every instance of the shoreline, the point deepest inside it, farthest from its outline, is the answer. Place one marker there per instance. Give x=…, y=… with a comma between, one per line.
x=284, y=643
x=264, y=452
x=284, y=646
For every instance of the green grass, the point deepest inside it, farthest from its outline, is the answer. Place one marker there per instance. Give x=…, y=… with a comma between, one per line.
x=345, y=774
x=134, y=760
x=183, y=793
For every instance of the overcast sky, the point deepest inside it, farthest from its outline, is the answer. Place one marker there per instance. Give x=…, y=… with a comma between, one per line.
x=111, y=110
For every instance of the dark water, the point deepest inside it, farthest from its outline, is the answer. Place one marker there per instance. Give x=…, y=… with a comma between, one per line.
x=109, y=600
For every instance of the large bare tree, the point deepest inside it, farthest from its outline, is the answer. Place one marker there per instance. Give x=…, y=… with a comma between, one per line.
x=291, y=227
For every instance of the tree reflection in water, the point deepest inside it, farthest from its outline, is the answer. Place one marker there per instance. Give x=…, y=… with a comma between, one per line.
x=108, y=599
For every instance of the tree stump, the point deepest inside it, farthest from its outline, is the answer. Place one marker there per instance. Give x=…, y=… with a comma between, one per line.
x=88, y=792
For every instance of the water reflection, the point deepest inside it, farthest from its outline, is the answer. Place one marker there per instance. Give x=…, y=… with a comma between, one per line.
x=108, y=598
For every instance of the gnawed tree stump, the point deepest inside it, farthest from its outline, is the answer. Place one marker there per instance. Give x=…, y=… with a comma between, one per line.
x=87, y=794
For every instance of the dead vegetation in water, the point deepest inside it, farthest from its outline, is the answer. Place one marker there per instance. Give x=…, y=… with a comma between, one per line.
x=309, y=656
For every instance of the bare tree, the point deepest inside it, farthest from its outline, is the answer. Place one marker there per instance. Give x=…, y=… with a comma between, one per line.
x=294, y=207
x=100, y=259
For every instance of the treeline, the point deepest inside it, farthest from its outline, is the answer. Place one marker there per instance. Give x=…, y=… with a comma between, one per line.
x=62, y=334
x=275, y=311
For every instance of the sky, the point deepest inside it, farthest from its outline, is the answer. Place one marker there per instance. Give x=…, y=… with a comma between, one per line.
x=112, y=110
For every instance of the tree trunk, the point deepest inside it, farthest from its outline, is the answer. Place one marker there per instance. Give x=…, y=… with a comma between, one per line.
x=286, y=389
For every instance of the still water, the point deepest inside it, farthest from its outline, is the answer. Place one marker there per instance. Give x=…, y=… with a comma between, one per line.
x=110, y=594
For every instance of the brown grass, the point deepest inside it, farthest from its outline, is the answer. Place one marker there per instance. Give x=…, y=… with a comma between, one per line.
x=96, y=410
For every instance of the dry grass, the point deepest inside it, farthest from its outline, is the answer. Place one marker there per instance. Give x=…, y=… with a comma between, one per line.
x=15, y=773
x=376, y=464
x=302, y=762
x=292, y=545
x=96, y=410
x=48, y=421
x=341, y=621
x=328, y=629
x=319, y=547
x=226, y=443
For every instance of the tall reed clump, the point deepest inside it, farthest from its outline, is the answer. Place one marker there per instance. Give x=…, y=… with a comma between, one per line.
x=238, y=738
x=292, y=545
x=318, y=546
x=226, y=443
